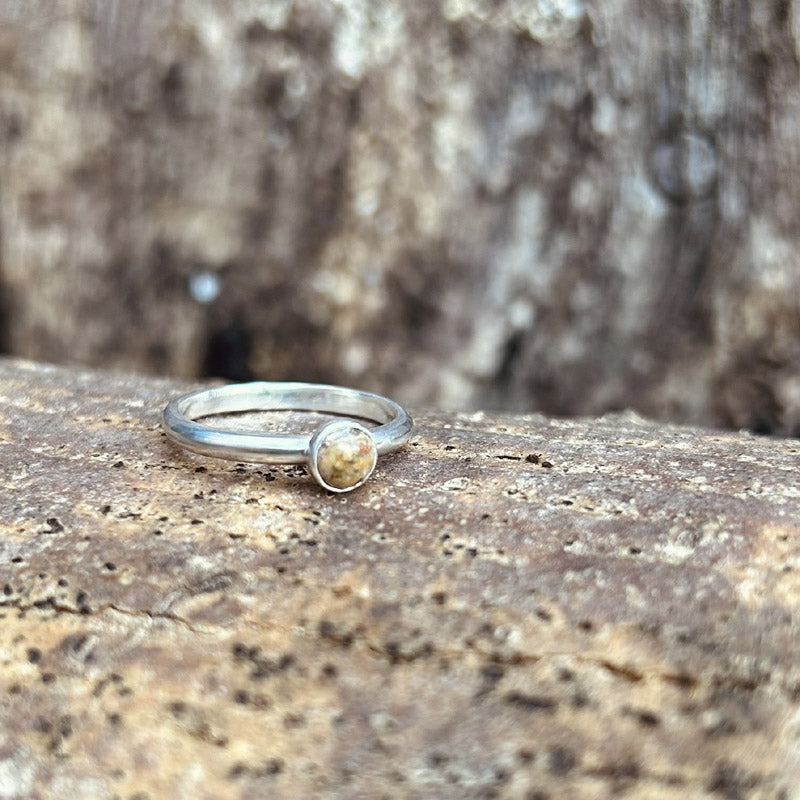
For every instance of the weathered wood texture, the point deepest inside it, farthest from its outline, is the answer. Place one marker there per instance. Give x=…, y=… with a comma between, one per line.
x=558, y=206
x=513, y=607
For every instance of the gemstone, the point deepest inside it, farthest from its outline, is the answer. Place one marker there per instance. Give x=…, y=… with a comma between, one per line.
x=343, y=455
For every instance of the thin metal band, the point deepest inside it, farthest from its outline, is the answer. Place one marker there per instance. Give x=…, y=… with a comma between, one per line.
x=278, y=448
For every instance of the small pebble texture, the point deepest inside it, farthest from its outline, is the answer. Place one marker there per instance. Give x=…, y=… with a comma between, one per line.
x=512, y=607
x=346, y=457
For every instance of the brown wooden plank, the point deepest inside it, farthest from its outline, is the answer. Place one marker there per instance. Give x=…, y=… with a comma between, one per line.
x=514, y=606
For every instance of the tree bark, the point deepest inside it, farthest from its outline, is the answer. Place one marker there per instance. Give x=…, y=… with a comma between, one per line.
x=557, y=206
x=512, y=607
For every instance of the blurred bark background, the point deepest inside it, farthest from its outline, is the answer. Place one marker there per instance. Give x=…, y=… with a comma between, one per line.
x=529, y=204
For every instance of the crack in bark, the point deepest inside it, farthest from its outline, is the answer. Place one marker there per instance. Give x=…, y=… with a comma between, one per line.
x=86, y=611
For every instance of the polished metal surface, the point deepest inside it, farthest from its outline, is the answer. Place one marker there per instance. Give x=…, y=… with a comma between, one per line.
x=180, y=415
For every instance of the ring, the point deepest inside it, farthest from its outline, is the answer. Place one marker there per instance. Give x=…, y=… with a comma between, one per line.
x=341, y=453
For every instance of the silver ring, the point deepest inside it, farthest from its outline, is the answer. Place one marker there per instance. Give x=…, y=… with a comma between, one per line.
x=341, y=453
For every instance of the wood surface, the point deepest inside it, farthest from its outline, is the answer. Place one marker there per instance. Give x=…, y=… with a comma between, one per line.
x=512, y=607
x=551, y=205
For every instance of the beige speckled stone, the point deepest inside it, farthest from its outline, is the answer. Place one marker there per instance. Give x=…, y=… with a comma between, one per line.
x=512, y=607
x=345, y=456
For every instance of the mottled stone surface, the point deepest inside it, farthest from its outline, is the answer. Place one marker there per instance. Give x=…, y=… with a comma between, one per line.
x=512, y=607
x=345, y=455
x=560, y=206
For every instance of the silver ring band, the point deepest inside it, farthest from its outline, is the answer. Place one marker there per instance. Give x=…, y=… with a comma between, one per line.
x=341, y=454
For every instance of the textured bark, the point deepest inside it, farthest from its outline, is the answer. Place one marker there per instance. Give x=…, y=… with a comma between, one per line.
x=557, y=206
x=512, y=607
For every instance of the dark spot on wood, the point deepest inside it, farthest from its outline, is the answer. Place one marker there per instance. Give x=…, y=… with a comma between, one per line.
x=272, y=767
x=501, y=776
x=647, y=718
x=579, y=700
x=561, y=760
x=682, y=680
x=528, y=702
x=173, y=90
x=42, y=725
x=492, y=673
x=732, y=782
x=270, y=89
x=512, y=351
x=55, y=525
x=227, y=353
x=240, y=651
x=256, y=31
x=237, y=770
x=525, y=755
x=294, y=721
x=327, y=630
x=178, y=708
x=329, y=671
x=782, y=10
x=620, y=671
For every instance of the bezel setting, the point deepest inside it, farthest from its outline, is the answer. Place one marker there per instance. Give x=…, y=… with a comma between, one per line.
x=342, y=455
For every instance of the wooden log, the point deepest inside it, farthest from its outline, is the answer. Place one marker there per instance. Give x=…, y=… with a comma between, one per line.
x=562, y=206
x=512, y=607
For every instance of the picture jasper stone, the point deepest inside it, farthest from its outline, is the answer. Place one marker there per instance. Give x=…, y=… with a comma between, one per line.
x=346, y=456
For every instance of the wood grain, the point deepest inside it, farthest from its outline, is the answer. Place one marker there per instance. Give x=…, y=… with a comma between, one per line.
x=559, y=206
x=512, y=607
